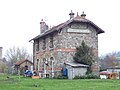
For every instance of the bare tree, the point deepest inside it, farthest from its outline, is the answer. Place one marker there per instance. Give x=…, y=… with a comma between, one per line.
x=111, y=61
x=3, y=66
x=15, y=53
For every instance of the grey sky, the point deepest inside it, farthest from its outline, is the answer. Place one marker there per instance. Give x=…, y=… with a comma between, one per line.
x=19, y=20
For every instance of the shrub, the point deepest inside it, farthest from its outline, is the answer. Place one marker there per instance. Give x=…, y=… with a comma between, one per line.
x=61, y=77
x=83, y=77
x=77, y=77
x=88, y=76
x=92, y=76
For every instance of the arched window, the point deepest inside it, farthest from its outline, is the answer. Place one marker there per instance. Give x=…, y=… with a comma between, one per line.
x=51, y=60
x=52, y=66
x=45, y=64
x=45, y=61
x=37, y=65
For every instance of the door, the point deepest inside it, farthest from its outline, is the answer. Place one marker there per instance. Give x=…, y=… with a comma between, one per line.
x=70, y=73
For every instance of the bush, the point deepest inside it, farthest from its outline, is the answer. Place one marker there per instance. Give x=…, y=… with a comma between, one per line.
x=89, y=76
x=77, y=77
x=83, y=77
x=92, y=76
x=61, y=77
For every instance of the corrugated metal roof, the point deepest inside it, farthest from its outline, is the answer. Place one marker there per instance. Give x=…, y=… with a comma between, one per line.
x=73, y=64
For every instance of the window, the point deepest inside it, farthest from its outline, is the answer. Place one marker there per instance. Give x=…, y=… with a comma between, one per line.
x=51, y=60
x=51, y=41
x=44, y=44
x=60, y=32
x=37, y=66
x=37, y=45
x=52, y=66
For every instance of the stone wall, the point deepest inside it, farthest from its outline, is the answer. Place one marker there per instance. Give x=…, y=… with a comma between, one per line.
x=65, y=42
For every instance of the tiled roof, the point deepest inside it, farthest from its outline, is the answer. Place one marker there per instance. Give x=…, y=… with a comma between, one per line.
x=22, y=61
x=62, y=25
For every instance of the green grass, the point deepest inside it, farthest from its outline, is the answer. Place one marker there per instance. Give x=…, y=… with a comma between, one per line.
x=55, y=84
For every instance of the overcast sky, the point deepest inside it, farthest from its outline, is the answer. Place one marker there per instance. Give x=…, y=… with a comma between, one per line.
x=19, y=20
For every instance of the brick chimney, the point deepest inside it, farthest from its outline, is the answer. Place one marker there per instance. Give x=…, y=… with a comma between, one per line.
x=1, y=52
x=71, y=14
x=43, y=27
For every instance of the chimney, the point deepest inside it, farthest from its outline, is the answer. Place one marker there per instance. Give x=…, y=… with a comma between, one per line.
x=43, y=27
x=83, y=15
x=77, y=14
x=71, y=14
x=1, y=52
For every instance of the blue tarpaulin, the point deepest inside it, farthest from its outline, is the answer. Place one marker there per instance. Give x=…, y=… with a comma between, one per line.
x=65, y=72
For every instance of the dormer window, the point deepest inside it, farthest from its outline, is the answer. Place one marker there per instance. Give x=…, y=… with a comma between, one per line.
x=51, y=41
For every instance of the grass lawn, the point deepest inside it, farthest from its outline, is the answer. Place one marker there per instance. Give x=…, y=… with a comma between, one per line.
x=57, y=84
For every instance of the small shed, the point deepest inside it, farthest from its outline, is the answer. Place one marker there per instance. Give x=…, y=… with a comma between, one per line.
x=75, y=69
x=23, y=65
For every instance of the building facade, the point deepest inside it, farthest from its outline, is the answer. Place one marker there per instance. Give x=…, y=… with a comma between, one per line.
x=57, y=45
